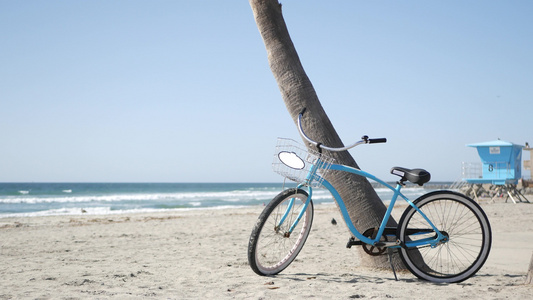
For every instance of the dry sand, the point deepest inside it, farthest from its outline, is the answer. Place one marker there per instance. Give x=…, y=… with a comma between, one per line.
x=202, y=254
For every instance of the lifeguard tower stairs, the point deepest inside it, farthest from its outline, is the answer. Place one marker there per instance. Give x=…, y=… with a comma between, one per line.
x=499, y=170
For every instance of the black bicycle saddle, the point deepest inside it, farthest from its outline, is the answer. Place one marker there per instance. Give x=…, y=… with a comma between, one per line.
x=416, y=176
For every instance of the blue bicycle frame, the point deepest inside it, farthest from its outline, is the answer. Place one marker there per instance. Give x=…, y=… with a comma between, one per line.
x=312, y=175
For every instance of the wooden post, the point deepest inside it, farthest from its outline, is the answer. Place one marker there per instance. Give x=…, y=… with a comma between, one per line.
x=529, y=278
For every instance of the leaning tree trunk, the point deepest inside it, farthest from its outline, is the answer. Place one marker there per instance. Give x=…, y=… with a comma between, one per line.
x=364, y=206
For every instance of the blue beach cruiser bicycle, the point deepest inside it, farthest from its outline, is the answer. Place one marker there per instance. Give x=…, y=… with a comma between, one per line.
x=442, y=236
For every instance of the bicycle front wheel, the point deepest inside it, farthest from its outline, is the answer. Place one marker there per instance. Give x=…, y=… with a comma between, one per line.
x=272, y=247
x=468, y=237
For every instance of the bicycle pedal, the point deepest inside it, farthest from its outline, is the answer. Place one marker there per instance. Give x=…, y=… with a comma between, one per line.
x=353, y=242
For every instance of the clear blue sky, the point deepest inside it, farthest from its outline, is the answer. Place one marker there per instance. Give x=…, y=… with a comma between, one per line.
x=181, y=91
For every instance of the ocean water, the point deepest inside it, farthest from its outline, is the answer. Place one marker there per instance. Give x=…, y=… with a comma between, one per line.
x=44, y=199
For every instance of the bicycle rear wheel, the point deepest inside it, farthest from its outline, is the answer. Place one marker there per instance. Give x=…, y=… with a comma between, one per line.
x=271, y=247
x=468, y=231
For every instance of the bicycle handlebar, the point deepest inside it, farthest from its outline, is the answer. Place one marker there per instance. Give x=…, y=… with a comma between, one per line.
x=364, y=139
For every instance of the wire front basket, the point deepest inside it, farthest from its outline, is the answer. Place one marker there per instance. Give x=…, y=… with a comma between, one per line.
x=294, y=161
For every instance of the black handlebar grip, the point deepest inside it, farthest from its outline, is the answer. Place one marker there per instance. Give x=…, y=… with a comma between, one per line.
x=375, y=141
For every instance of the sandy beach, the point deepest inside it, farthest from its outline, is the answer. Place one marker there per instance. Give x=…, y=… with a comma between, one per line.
x=201, y=254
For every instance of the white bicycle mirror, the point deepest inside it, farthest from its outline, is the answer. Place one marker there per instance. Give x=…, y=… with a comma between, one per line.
x=291, y=160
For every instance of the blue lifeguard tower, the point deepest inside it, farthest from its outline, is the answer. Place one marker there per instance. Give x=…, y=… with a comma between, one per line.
x=500, y=166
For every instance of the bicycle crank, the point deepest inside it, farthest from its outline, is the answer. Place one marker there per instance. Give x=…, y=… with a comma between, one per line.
x=372, y=249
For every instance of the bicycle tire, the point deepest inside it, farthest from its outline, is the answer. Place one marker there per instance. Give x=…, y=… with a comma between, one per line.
x=468, y=230
x=270, y=250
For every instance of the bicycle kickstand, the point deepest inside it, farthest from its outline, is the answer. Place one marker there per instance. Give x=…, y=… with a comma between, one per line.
x=390, y=252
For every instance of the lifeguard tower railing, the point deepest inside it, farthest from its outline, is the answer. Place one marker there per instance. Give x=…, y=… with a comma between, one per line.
x=497, y=173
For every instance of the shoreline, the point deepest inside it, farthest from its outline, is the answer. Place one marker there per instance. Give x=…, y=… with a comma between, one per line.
x=80, y=199
x=202, y=254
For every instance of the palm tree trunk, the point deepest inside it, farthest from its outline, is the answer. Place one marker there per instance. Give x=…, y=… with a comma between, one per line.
x=364, y=206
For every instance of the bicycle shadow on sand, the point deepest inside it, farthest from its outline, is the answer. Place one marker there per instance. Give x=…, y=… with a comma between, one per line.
x=381, y=278
x=346, y=278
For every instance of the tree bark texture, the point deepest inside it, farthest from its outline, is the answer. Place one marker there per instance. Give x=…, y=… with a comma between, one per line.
x=365, y=208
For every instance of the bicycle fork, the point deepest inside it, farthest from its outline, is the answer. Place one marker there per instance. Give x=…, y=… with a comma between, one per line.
x=300, y=214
